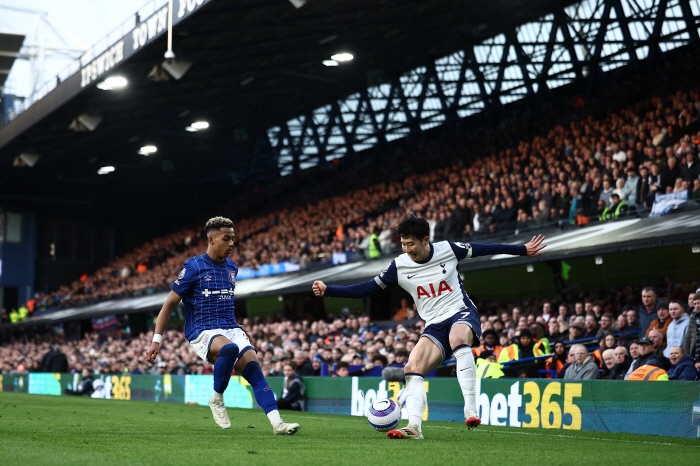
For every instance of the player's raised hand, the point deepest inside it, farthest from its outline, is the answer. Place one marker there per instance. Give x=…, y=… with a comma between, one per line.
x=535, y=246
x=319, y=288
x=152, y=352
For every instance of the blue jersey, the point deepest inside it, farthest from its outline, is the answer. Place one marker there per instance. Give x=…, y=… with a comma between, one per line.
x=206, y=287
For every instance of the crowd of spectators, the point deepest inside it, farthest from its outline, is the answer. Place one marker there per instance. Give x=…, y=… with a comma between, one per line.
x=589, y=169
x=627, y=327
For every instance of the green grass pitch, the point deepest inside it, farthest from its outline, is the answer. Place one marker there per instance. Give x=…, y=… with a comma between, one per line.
x=49, y=430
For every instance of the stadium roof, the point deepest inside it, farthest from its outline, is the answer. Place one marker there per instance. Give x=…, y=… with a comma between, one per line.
x=9, y=50
x=600, y=238
x=255, y=63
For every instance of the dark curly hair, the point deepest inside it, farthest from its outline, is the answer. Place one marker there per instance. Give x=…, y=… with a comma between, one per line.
x=216, y=223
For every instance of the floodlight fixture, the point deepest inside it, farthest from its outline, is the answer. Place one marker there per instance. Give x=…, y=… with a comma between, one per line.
x=200, y=125
x=85, y=122
x=113, y=83
x=330, y=63
x=342, y=57
x=176, y=68
x=148, y=150
x=26, y=159
x=105, y=170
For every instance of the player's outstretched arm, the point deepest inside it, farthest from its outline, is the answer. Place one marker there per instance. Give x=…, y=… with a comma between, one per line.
x=535, y=246
x=531, y=249
x=359, y=290
x=166, y=311
x=318, y=288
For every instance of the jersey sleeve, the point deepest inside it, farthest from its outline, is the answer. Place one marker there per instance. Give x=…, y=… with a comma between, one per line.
x=185, y=280
x=388, y=277
x=469, y=250
x=362, y=290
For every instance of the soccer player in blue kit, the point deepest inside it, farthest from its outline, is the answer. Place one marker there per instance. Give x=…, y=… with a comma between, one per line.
x=430, y=273
x=205, y=284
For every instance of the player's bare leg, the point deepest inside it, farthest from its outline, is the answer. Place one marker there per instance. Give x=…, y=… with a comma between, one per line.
x=425, y=357
x=462, y=339
x=249, y=366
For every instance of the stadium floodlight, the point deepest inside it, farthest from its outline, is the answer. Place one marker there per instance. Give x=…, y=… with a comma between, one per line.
x=342, y=57
x=298, y=3
x=148, y=150
x=85, y=122
x=157, y=73
x=105, y=170
x=26, y=159
x=176, y=68
x=330, y=62
x=197, y=126
x=112, y=83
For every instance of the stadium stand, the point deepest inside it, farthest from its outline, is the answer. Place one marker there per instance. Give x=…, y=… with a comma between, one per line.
x=566, y=176
x=359, y=342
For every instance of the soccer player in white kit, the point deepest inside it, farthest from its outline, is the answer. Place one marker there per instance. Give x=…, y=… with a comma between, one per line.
x=430, y=273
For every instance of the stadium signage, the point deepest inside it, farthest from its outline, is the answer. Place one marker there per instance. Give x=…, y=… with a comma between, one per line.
x=143, y=33
x=150, y=28
x=550, y=406
x=100, y=65
x=598, y=405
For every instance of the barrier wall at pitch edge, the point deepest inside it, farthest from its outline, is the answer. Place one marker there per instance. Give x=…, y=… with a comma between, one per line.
x=657, y=408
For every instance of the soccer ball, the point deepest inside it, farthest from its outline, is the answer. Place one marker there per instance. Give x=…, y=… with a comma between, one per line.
x=384, y=415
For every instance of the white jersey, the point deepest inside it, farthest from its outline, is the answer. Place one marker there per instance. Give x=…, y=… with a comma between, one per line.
x=435, y=284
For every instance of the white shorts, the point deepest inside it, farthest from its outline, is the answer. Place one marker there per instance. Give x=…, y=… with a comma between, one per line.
x=201, y=344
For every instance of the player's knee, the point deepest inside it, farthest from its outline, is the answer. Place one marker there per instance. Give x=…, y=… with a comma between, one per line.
x=457, y=342
x=409, y=368
x=228, y=350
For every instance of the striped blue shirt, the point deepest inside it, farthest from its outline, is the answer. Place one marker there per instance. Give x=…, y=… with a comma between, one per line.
x=206, y=287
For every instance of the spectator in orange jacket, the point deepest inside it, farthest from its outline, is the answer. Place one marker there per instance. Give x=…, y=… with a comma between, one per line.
x=558, y=361
x=661, y=324
x=489, y=342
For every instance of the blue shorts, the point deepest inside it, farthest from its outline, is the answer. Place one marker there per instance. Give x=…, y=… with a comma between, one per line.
x=440, y=333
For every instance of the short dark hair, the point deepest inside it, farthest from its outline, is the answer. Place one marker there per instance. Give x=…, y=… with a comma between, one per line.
x=382, y=359
x=675, y=301
x=341, y=365
x=216, y=223
x=402, y=352
x=416, y=227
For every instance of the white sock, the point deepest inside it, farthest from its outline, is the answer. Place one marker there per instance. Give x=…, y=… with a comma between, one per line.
x=416, y=400
x=274, y=417
x=466, y=375
x=218, y=396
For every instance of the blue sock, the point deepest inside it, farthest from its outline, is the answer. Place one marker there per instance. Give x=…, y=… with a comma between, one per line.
x=224, y=366
x=261, y=389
